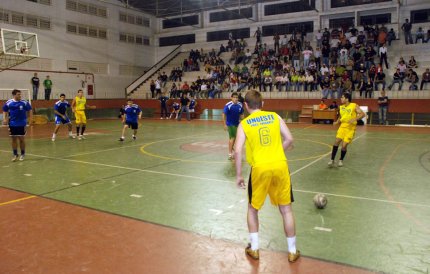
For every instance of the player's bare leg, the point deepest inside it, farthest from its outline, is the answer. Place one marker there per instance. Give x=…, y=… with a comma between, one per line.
x=230, y=148
x=290, y=231
x=252, y=218
x=123, y=133
x=54, y=135
x=15, y=148
x=22, y=147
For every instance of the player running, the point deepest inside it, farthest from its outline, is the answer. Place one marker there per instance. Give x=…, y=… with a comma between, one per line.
x=132, y=113
x=231, y=116
x=60, y=109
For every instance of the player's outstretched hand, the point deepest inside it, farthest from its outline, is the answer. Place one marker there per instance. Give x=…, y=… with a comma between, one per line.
x=240, y=182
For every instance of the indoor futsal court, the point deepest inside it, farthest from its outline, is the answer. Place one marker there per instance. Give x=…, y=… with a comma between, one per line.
x=167, y=203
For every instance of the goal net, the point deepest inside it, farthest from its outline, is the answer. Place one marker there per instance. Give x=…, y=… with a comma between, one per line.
x=6, y=94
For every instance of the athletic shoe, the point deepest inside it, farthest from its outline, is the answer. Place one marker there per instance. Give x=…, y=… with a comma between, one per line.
x=340, y=163
x=121, y=139
x=230, y=157
x=331, y=163
x=15, y=157
x=161, y=118
x=134, y=138
x=72, y=136
x=82, y=136
x=292, y=257
x=53, y=139
x=255, y=254
x=21, y=158
x=79, y=137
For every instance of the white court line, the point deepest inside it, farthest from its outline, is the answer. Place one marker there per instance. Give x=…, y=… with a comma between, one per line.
x=323, y=229
x=318, y=159
x=224, y=181
x=140, y=144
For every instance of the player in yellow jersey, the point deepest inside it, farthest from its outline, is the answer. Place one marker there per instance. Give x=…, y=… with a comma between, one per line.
x=267, y=137
x=349, y=114
x=79, y=105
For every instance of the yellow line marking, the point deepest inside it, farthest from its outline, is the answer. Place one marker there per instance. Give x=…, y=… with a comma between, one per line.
x=18, y=200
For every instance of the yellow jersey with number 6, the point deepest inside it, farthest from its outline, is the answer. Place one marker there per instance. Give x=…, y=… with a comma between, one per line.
x=263, y=138
x=80, y=103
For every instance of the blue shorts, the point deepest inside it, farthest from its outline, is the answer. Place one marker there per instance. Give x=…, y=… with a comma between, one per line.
x=59, y=120
x=132, y=125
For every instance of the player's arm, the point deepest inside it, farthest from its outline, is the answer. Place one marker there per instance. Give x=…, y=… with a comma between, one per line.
x=59, y=114
x=287, y=137
x=74, y=105
x=360, y=115
x=5, y=117
x=90, y=107
x=224, y=117
x=30, y=117
x=238, y=147
x=140, y=114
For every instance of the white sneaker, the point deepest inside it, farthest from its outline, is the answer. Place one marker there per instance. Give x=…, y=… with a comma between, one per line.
x=15, y=157
x=121, y=139
x=340, y=163
x=53, y=139
x=79, y=137
x=83, y=137
x=21, y=158
x=72, y=136
x=230, y=156
x=331, y=163
x=161, y=118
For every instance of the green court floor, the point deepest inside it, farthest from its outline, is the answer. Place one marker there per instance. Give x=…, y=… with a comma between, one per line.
x=177, y=174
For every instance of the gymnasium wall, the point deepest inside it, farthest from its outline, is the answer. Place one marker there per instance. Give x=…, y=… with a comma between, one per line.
x=103, y=56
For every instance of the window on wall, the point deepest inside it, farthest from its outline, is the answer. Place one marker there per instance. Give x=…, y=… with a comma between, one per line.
x=85, y=30
x=28, y=20
x=375, y=19
x=343, y=23
x=177, y=40
x=45, y=2
x=290, y=7
x=133, y=19
x=420, y=16
x=230, y=15
x=181, y=21
x=88, y=8
x=223, y=34
x=287, y=28
x=346, y=3
x=132, y=38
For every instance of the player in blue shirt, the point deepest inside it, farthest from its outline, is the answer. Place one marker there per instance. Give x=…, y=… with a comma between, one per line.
x=132, y=113
x=175, y=110
x=15, y=115
x=232, y=114
x=60, y=109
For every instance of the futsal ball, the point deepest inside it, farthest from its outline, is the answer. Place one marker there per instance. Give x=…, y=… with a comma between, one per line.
x=320, y=201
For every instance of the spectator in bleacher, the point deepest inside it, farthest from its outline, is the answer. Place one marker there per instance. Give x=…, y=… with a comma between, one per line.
x=185, y=89
x=268, y=82
x=407, y=27
x=425, y=78
x=221, y=50
x=247, y=57
x=391, y=35
x=368, y=88
x=369, y=56
x=47, y=83
x=301, y=80
x=412, y=63
x=309, y=82
x=361, y=87
x=402, y=68
x=276, y=39
x=257, y=34
x=411, y=76
x=397, y=79
x=164, y=79
x=325, y=87
x=371, y=73
x=152, y=88
x=307, y=53
x=157, y=86
x=420, y=35
x=35, y=82
x=383, y=55
x=185, y=65
x=380, y=79
x=174, y=91
x=343, y=57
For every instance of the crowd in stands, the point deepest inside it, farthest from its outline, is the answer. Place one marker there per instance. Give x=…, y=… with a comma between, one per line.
x=342, y=60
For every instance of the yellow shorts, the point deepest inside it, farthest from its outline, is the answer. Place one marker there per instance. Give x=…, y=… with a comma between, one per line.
x=80, y=117
x=346, y=134
x=272, y=179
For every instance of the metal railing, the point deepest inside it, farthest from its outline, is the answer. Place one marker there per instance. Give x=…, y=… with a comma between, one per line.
x=136, y=83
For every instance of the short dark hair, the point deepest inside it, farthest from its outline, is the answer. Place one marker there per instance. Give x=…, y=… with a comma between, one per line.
x=129, y=99
x=15, y=91
x=62, y=95
x=234, y=94
x=80, y=90
x=348, y=96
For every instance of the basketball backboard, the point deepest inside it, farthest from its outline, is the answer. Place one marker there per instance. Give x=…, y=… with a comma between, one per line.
x=19, y=43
